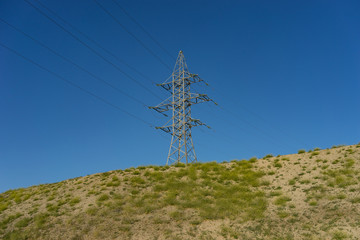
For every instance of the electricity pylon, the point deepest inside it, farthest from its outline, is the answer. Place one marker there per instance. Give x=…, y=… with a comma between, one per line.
x=180, y=101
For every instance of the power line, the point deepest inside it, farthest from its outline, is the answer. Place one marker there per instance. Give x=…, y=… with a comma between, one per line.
x=238, y=117
x=246, y=109
x=75, y=85
x=227, y=138
x=145, y=31
x=133, y=35
x=246, y=122
x=95, y=42
x=91, y=49
x=73, y=63
x=254, y=114
x=253, y=126
x=163, y=48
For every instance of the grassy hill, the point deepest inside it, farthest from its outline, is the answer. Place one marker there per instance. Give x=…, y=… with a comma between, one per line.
x=309, y=195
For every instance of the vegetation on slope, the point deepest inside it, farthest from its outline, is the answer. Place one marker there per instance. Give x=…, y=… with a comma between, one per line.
x=309, y=195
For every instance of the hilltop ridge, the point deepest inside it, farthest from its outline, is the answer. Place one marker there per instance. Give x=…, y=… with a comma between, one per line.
x=308, y=195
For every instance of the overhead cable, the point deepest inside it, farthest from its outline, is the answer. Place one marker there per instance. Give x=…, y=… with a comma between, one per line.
x=131, y=34
x=76, y=85
x=73, y=63
x=91, y=49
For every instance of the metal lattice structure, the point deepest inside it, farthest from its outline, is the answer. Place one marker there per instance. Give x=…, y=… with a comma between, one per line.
x=180, y=102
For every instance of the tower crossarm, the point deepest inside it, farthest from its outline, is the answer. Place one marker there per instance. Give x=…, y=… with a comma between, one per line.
x=163, y=106
x=166, y=129
x=193, y=98
x=196, y=98
x=179, y=79
x=197, y=122
x=191, y=123
x=197, y=79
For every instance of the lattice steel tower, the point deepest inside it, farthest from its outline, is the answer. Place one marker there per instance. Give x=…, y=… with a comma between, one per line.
x=180, y=101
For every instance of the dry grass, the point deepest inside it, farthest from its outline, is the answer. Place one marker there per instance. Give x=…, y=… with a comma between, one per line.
x=309, y=195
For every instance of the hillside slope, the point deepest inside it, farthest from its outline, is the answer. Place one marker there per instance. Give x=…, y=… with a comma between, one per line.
x=310, y=195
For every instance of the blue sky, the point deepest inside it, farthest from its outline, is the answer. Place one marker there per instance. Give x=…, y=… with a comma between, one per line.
x=285, y=75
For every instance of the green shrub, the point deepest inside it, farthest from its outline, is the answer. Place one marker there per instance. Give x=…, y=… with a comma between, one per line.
x=179, y=165
x=301, y=151
x=103, y=197
x=52, y=208
x=52, y=197
x=349, y=163
x=277, y=165
x=41, y=219
x=167, y=167
x=292, y=182
x=281, y=201
x=275, y=193
x=341, y=196
x=134, y=192
x=3, y=206
x=283, y=214
x=16, y=235
x=113, y=184
x=156, y=176
x=176, y=215
x=23, y=222
x=340, y=178
x=137, y=180
x=74, y=201
x=253, y=159
x=92, y=211
x=9, y=219
x=156, y=168
x=264, y=183
x=105, y=174
x=170, y=198
x=305, y=181
x=338, y=235
x=355, y=200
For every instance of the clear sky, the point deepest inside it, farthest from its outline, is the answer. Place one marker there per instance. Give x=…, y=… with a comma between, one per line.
x=286, y=76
